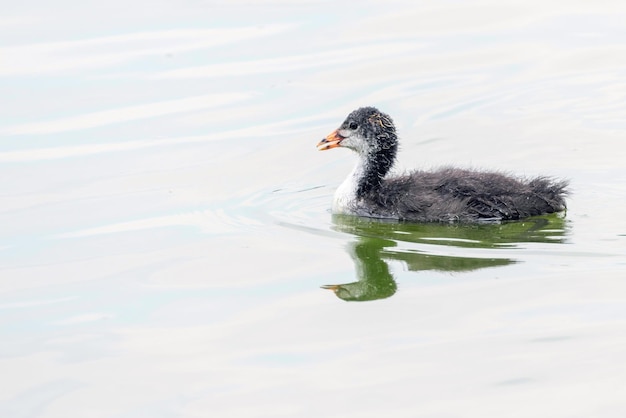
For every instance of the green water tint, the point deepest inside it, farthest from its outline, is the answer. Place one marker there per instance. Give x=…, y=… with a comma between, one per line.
x=377, y=241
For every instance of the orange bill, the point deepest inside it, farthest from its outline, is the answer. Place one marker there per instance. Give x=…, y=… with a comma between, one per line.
x=333, y=140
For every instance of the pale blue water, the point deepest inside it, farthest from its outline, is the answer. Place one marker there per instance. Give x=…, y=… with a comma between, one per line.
x=166, y=226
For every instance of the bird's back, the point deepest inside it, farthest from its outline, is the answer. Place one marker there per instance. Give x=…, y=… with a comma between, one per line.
x=452, y=194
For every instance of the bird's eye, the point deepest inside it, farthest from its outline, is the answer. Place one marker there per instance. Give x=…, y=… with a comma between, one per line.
x=353, y=125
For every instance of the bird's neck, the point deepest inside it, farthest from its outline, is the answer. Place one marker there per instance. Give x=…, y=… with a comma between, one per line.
x=365, y=178
x=371, y=170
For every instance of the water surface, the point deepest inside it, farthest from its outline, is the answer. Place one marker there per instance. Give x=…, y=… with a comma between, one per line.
x=166, y=235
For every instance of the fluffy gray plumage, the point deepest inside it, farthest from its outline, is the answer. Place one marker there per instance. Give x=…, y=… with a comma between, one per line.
x=445, y=195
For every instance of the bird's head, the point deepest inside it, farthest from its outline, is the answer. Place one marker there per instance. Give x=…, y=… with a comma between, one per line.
x=366, y=130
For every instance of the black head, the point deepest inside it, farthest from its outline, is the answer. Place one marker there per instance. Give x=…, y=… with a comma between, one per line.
x=367, y=131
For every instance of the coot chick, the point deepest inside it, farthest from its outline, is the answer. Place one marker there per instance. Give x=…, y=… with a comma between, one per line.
x=445, y=195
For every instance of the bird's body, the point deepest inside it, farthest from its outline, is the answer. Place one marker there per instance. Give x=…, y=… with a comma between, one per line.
x=445, y=195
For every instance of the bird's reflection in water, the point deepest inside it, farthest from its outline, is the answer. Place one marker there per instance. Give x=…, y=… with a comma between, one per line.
x=377, y=241
x=375, y=280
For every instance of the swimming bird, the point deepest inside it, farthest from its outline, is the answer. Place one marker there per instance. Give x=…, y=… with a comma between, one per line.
x=448, y=194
